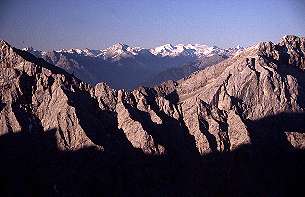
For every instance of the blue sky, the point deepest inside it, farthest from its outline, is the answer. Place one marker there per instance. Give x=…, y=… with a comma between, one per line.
x=55, y=24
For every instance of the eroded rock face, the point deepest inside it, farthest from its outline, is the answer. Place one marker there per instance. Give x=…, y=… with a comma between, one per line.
x=34, y=99
x=217, y=109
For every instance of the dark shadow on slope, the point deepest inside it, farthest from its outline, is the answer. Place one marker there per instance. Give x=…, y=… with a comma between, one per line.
x=22, y=110
x=23, y=156
x=275, y=166
x=269, y=132
x=31, y=165
x=204, y=128
x=2, y=105
x=221, y=119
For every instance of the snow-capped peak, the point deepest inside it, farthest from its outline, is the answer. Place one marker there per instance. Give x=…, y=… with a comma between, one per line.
x=118, y=51
x=163, y=50
x=197, y=50
x=85, y=52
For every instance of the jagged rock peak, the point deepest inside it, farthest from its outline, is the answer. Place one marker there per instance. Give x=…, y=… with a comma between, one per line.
x=3, y=42
x=292, y=38
x=290, y=50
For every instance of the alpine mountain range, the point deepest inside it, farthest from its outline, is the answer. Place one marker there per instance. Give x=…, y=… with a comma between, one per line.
x=136, y=66
x=223, y=122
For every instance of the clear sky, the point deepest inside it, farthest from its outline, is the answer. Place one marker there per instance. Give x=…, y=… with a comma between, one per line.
x=96, y=24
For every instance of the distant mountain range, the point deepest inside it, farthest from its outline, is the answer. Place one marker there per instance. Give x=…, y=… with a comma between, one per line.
x=122, y=66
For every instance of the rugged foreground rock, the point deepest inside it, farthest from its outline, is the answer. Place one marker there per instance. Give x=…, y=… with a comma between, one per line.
x=233, y=129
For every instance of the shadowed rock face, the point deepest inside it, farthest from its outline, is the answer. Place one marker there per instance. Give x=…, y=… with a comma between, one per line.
x=249, y=104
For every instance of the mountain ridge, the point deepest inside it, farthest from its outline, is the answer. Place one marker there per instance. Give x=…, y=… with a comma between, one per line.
x=162, y=50
x=136, y=66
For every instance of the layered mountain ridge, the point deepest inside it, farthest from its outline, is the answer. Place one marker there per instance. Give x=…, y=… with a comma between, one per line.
x=120, y=50
x=247, y=111
x=263, y=80
x=136, y=66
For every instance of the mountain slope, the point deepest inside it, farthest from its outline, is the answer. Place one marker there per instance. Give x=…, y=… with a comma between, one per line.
x=185, y=70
